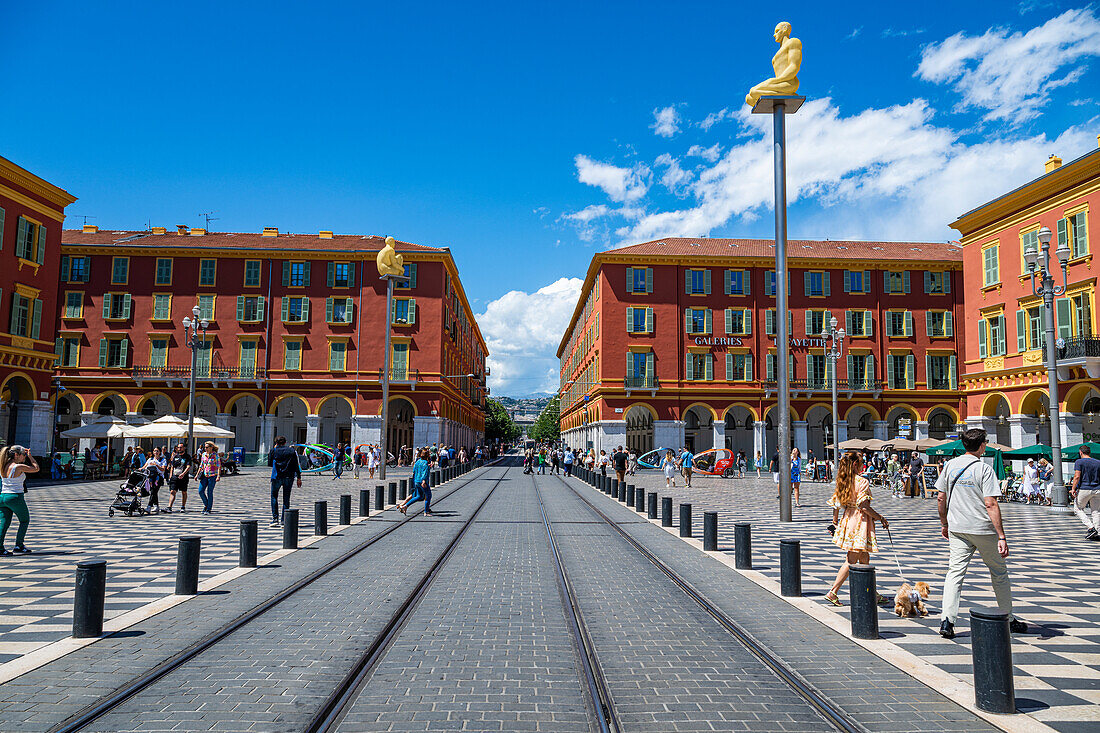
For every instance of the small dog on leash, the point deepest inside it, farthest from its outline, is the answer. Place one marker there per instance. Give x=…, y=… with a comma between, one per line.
x=910, y=598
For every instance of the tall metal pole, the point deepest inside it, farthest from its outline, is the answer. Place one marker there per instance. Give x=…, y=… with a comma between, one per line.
x=191, y=399
x=834, y=354
x=386, y=381
x=1059, y=494
x=782, y=339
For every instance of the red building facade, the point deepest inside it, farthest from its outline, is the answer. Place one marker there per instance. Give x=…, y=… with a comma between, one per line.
x=295, y=342
x=672, y=343
x=1004, y=371
x=32, y=212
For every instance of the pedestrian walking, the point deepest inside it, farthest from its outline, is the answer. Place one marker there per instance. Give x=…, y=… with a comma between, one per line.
x=853, y=520
x=742, y=464
x=338, y=462
x=1046, y=478
x=686, y=466
x=773, y=466
x=668, y=465
x=372, y=461
x=179, y=473
x=285, y=471
x=568, y=461
x=970, y=520
x=796, y=474
x=357, y=460
x=916, y=476
x=618, y=460
x=604, y=462
x=632, y=462
x=209, y=472
x=153, y=468
x=758, y=463
x=421, y=487
x=15, y=463
x=1086, y=492
x=1030, y=485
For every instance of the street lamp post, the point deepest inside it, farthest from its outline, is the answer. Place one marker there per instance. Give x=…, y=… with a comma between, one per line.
x=836, y=345
x=58, y=391
x=194, y=334
x=1038, y=263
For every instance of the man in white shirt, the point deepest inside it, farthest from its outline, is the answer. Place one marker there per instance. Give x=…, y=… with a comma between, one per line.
x=970, y=520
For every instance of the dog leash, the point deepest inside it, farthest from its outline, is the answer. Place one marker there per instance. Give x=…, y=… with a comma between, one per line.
x=895, y=552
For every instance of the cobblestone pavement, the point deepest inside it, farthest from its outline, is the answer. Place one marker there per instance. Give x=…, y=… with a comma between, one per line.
x=69, y=523
x=1056, y=664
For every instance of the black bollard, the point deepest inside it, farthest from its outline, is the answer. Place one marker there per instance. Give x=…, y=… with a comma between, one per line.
x=345, y=508
x=991, y=647
x=249, y=536
x=864, y=598
x=290, y=529
x=403, y=489
x=685, y=520
x=652, y=508
x=320, y=518
x=391, y=491
x=742, y=546
x=710, y=531
x=187, y=566
x=91, y=586
x=379, y=497
x=666, y=511
x=629, y=498
x=364, y=502
x=639, y=500
x=790, y=568
x=616, y=488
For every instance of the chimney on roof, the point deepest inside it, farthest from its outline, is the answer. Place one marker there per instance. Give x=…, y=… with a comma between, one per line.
x=324, y=234
x=181, y=229
x=90, y=229
x=270, y=232
x=197, y=232
x=160, y=230
x=1053, y=163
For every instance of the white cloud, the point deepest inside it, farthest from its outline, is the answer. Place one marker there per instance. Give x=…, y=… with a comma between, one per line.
x=584, y=221
x=522, y=331
x=666, y=121
x=1011, y=75
x=620, y=184
x=709, y=154
x=675, y=178
x=714, y=118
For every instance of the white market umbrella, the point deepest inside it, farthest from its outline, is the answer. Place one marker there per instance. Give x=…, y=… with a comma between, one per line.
x=171, y=426
x=105, y=426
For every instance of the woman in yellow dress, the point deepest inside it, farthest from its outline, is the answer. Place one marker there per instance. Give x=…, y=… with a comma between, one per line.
x=855, y=528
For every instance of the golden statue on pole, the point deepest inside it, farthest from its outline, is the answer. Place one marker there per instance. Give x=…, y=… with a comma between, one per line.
x=390, y=264
x=786, y=63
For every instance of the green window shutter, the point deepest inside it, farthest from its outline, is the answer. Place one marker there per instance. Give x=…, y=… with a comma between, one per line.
x=87, y=268
x=769, y=322
x=412, y=311
x=36, y=317
x=1064, y=312
x=910, y=372
x=103, y=343
x=687, y=320
x=746, y=282
x=351, y=274
x=688, y=374
x=847, y=281
x=908, y=323
x=709, y=366
x=708, y=328
x=983, y=351
x=706, y=281
x=1002, y=337
x=260, y=303
x=123, y=352
x=59, y=348
x=649, y=279
x=905, y=281
x=629, y=365
x=630, y=279
x=65, y=266
x=868, y=324
x=953, y=372
x=1080, y=235
x=827, y=282
x=729, y=367
x=349, y=310
x=284, y=308
x=806, y=282
x=127, y=301
x=927, y=282
x=849, y=319
x=886, y=281
x=948, y=324
x=729, y=284
x=946, y=282
x=928, y=371
x=331, y=275
x=1, y=227
x=769, y=367
x=769, y=283
x=869, y=369
x=852, y=376
x=748, y=367
x=21, y=237
x=286, y=274
x=649, y=369
x=328, y=310
x=106, y=306
x=890, y=371
x=306, y=272
x=791, y=367
x=649, y=320
x=809, y=322
x=305, y=310
x=1021, y=333
x=826, y=322
x=412, y=275
x=629, y=319
x=928, y=323
x=729, y=321
x=1063, y=232
x=240, y=307
x=746, y=319
x=687, y=282
x=41, y=255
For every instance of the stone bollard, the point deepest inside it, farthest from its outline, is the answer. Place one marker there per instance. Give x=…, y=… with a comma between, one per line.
x=379, y=497
x=639, y=500
x=91, y=587
x=248, y=540
x=320, y=518
x=864, y=597
x=187, y=566
x=630, y=495
x=666, y=511
x=290, y=529
x=364, y=502
x=392, y=493
x=403, y=489
x=742, y=546
x=652, y=508
x=345, y=508
x=991, y=648
x=790, y=568
x=685, y=520
x=615, y=486
x=710, y=531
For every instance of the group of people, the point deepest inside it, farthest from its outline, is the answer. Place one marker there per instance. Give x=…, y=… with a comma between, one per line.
x=175, y=469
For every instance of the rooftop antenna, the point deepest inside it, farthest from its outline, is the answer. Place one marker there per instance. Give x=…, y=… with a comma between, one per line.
x=85, y=217
x=209, y=219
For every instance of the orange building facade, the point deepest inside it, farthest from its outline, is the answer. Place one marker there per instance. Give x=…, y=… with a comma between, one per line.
x=295, y=343
x=672, y=343
x=1004, y=374
x=32, y=212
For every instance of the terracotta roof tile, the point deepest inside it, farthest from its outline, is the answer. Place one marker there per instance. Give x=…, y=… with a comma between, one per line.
x=796, y=248
x=236, y=240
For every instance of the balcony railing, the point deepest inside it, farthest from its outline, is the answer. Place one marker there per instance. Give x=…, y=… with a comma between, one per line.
x=823, y=385
x=1080, y=347
x=215, y=372
x=641, y=382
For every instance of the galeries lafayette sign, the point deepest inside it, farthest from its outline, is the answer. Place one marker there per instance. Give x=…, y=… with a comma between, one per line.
x=802, y=343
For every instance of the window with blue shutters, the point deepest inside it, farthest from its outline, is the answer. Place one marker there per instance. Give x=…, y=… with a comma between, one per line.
x=252, y=273
x=208, y=272
x=410, y=273
x=120, y=270
x=164, y=271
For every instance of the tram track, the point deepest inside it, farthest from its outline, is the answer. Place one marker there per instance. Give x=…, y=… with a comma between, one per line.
x=109, y=703
x=831, y=713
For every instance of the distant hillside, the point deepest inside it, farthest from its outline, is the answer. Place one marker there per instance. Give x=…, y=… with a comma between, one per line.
x=533, y=404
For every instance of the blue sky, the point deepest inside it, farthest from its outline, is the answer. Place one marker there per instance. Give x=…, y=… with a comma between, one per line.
x=528, y=137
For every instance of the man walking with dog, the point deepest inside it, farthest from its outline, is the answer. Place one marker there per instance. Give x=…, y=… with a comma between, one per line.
x=970, y=520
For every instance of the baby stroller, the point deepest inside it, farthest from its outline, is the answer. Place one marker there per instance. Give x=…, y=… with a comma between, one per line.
x=130, y=494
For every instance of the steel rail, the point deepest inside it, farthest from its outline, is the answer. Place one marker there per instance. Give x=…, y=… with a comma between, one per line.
x=337, y=704
x=832, y=713
x=106, y=704
x=596, y=682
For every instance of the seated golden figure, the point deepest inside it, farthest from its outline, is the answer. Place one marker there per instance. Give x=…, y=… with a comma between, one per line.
x=389, y=262
x=786, y=62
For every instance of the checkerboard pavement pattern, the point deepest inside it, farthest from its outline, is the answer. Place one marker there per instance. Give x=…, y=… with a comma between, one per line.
x=69, y=524
x=1054, y=573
